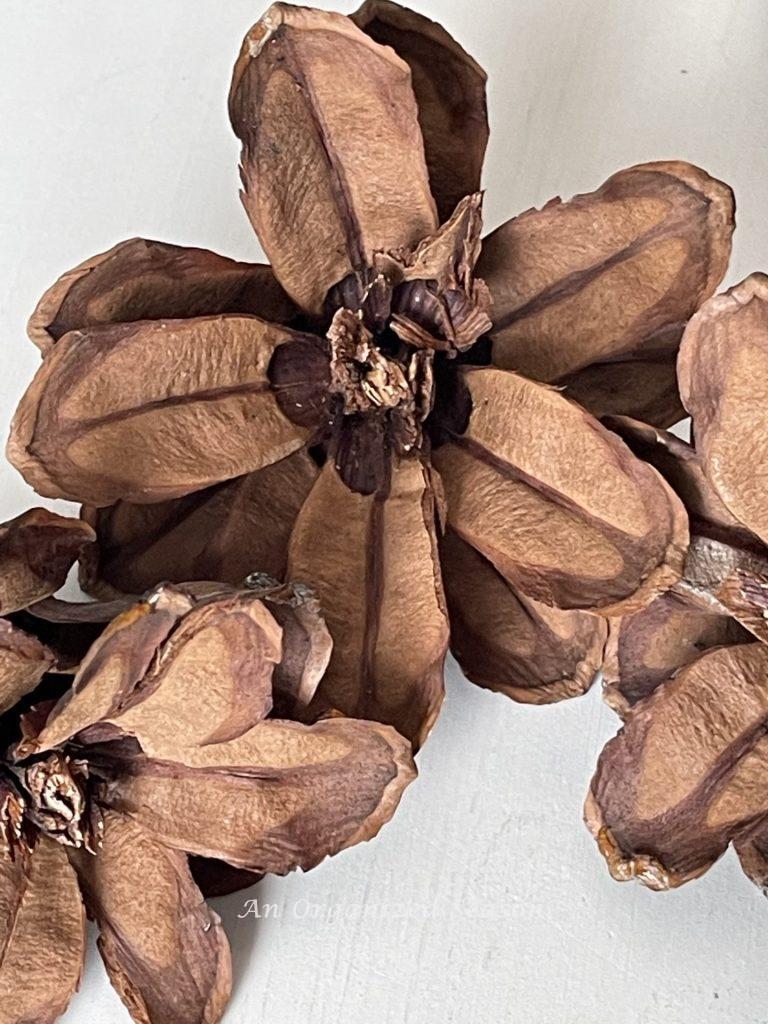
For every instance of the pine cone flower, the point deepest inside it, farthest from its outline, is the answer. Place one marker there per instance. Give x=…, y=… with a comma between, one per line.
x=360, y=415
x=686, y=776
x=165, y=746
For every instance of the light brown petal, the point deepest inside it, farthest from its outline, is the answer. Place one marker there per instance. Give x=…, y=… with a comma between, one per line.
x=686, y=775
x=151, y=411
x=146, y=280
x=23, y=663
x=372, y=562
x=169, y=673
x=333, y=159
x=450, y=92
x=647, y=648
x=210, y=681
x=114, y=666
x=509, y=643
x=645, y=389
x=165, y=952
x=556, y=502
x=37, y=550
x=279, y=797
x=222, y=533
x=42, y=934
x=306, y=640
x=723, y=368
x=726, y=566
x=612, y=272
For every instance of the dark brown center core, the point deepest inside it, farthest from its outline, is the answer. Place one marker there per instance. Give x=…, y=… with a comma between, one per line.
x=367, y=390
x=367, y=379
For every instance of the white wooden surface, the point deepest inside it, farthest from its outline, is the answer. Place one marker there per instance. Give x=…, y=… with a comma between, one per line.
x=484, y=901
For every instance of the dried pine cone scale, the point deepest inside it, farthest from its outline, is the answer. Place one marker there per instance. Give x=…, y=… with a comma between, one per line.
x=42, y=907
x=686, y=776
x=166, y=745
x=219, y=533
x=37, y=550
x=148, y=280
x=624, y=267
x=722, y=369
x=388, y=413
x=507, y=642
x=720, y=598
x=327, y=415
x=705, y=608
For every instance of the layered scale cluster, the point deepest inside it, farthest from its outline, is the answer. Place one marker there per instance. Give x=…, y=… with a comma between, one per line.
x=303, y=482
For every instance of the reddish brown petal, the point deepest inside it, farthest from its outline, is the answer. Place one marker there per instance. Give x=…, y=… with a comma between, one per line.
x=610, y=273
x=145, y=280
x=165, y=952
x=307, y=646
x=333, y=159
x=680, y=464
x=154, y=410
x=222, y=533
x=753, y=854
x=450, y=92
x=744, y=592
x=372, y=561
x=642, y=388
x=646, y=648
x=37, y=550
x=556, y=502
x=279, y=797
x=175, y=675
x=726, y=566
x=686, y=775
x=42, y=934
x=723, y=368
x=506, y=642
x=23, y=663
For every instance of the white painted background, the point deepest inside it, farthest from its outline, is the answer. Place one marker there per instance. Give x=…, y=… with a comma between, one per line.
x=484, y=900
